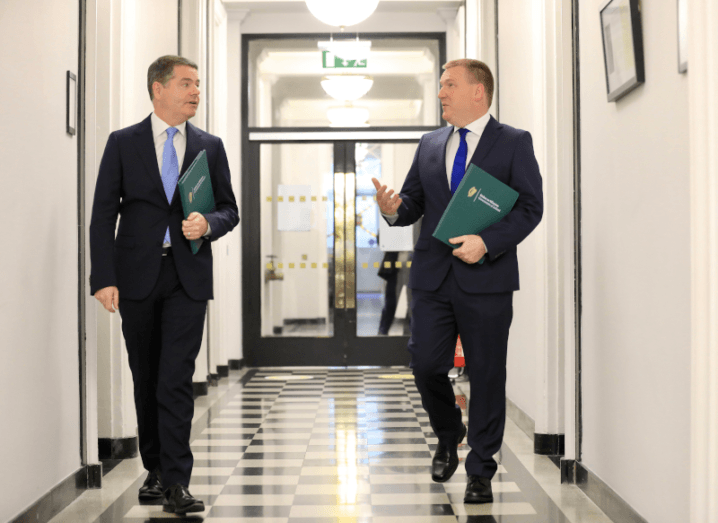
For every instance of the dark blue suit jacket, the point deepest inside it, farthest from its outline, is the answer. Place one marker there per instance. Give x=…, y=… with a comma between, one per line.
x=129, y=184
x=507, y=154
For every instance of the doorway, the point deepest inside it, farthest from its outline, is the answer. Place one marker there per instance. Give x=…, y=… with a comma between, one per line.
x=325, y=277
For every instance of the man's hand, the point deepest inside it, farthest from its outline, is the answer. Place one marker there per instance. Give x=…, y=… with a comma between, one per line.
x=472, y=250
x=109, y=297
x=388, y=204
x=195, y=226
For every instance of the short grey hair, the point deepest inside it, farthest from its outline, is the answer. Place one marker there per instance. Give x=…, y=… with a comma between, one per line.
x=162, y=70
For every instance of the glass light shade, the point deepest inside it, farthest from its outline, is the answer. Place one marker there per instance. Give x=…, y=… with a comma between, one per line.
x=348, y=116
x=347, y=87
x=342, y=12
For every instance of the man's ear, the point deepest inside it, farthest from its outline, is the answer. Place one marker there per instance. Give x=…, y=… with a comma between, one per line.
x=156, y=89
x=480, y=92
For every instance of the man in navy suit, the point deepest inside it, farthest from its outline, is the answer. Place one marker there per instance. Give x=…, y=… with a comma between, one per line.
x=149, y=272
x=452, y=294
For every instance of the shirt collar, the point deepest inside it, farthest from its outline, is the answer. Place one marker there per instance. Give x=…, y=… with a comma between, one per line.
x=159, y=126
x=477, y=126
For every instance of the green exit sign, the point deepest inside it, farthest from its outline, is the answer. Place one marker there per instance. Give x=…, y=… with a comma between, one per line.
x=331, y=61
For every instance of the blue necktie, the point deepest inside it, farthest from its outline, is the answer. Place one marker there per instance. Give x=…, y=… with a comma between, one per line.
x=170, y=170
x=457, y=172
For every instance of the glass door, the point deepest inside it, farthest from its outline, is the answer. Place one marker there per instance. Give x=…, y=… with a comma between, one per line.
x=325, y=280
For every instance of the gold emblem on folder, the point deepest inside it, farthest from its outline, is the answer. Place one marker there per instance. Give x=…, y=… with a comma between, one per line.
x=190, y=197
x=472, y=191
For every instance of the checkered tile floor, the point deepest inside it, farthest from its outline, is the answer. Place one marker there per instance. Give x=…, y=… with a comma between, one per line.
x=332, y=445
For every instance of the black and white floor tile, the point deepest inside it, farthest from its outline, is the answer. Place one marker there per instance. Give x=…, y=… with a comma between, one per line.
x=329, y=446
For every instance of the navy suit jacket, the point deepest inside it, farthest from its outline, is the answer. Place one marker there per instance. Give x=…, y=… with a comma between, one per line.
x=507, y=154
x=129, y=184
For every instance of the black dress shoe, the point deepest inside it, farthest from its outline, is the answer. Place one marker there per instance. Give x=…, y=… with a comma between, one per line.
x=178, y=500
x=446, y=458
x=152, y=487
x=478, y=490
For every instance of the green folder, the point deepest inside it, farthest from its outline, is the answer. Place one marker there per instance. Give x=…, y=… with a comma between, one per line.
x=479, y=201
x=195, y=189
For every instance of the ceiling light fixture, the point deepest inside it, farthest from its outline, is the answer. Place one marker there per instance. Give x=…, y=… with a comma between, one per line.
x=348, y=116
x=347, y=87
x=342, y=13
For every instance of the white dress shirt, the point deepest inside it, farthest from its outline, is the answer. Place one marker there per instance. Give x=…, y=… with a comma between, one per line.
x=159, y=135
x=476, y=129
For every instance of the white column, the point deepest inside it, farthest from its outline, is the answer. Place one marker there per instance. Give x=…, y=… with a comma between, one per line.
x=703, y=116
x=474, y=29
x=193, y=45
x=109, y=90
x=554, y=148
x=217, y=70
x=234, y=326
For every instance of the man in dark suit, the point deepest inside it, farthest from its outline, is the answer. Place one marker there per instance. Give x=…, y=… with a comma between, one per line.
x=163, y=287
x=452, y=294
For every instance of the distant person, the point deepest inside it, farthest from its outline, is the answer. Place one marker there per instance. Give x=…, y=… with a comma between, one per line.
x=149, y=272
x=453, y=294
x=395, y=282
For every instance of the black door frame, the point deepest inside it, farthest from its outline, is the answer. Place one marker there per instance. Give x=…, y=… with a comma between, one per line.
x=344, y=348
x=308, y=351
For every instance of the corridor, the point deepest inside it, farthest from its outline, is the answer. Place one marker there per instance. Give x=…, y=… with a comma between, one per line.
x=318, y=445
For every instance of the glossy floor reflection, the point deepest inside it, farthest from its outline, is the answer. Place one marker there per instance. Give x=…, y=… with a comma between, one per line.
x=333, y=445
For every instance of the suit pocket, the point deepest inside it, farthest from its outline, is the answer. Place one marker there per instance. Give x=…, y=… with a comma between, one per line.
x=422, y=244
x=125, y=242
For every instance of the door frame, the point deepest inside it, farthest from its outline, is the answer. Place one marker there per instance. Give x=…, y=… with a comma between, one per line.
x=307, y=351
x=345, y=348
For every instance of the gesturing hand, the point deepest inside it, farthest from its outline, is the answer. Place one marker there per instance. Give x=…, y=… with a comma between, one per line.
x=472, y=250
x=388, y=204
x=194, y=227
x=109, y=297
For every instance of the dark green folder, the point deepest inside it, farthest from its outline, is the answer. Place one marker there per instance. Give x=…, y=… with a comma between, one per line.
x=195, y=189
x=480, y=200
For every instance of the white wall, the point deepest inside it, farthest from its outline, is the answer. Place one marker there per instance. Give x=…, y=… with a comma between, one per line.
x=636, y=272
x=517, y=82
x=128, y=39
x=39, y=381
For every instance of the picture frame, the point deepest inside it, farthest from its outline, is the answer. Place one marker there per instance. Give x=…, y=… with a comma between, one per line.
x=622, y=35
x=71, y=104
x=682, y=8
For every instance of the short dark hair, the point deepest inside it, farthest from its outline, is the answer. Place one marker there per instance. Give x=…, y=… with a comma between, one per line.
x=162, y=70
x=477, y=71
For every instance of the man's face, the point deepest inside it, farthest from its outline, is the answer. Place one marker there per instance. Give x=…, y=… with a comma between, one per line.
x=459, y=98
x=177, y=101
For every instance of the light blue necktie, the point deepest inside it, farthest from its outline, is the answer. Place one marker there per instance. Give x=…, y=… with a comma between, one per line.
x=170, y=170
x=457, y=172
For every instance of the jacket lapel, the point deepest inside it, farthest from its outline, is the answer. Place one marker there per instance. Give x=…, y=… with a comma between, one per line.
x=145, y=143
x=194, y=146
x=192, y=149
x=443, y=179
x=486, y=142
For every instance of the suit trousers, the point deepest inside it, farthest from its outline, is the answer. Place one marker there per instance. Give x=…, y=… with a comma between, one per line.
x=483, y=321
x=163, y=334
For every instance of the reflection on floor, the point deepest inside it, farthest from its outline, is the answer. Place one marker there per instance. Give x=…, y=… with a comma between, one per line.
x=320, y=445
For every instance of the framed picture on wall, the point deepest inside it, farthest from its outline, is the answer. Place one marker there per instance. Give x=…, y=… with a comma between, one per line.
x=622, y=47
x=682, y=36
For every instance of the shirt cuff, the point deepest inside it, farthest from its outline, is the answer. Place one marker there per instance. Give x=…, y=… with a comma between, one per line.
x=209, y=231
x=391, y=218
